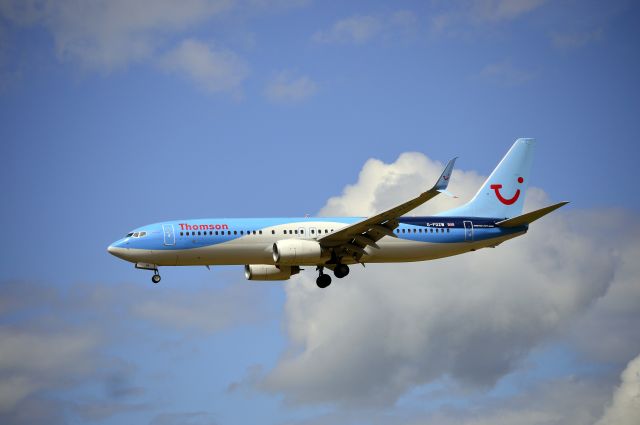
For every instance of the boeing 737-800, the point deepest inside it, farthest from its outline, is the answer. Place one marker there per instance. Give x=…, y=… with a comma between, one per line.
x=277, y=248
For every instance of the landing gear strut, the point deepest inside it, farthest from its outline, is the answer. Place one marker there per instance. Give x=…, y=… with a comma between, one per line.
x=156, y=276
x=323, y=280
x=341, y=270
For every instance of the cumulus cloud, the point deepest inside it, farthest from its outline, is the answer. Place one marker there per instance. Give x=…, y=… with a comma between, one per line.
x=109, y=34
x=208, y=66
x=625, y=405
x=287, y=88
x=385, y=330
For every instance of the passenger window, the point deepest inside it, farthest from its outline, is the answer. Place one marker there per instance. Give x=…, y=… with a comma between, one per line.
x=296, y=232
x=431, y=230
x=273, y=232
x=241, y=232
x=448, y=230
x=260, y=231
x=312, y=231
x=235, y=232
x=199, y=233
x=181, y=233
x=228, y=232
x=414, y=230
x=302, y=231
x=216, y=233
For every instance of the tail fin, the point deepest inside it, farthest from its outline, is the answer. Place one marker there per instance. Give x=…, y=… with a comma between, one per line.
x=502, y=194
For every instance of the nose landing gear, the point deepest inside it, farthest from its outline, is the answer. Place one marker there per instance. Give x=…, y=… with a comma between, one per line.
x=153, y=267
x=156, y=276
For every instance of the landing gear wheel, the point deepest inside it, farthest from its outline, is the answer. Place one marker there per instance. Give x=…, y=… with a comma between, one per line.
x=323, y=281
x=155, y=278
x=341, y=271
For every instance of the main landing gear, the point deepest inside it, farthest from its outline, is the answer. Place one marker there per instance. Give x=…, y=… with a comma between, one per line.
x=324, y=280
x=341, y=271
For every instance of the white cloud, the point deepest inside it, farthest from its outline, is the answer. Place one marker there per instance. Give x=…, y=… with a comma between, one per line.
x=356, y=30
x=211, y=68
x=384, y=330
x=364, y=28
x=108, y=34
x=625, y=405
x=502, y=10
x=286, y=88
x=576, y=39
x=505, y=73
x=466, y=17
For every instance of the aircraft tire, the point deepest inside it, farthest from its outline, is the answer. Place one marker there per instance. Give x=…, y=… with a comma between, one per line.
x=341, y=271
x=155, y=278
x=323, y=281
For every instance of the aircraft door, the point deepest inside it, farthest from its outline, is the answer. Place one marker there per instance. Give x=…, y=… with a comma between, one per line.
x=169, y=235
x=468, y=231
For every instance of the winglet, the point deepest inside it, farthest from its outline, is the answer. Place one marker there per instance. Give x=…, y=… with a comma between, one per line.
x=443, y=181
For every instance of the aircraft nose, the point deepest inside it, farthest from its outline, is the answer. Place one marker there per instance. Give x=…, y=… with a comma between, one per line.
x=118, y=251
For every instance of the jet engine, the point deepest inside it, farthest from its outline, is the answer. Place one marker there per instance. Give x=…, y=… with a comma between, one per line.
x=269, y=272
x=299, y=252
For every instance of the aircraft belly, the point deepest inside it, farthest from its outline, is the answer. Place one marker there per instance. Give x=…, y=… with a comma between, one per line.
x=227, y=254
x=405, y=250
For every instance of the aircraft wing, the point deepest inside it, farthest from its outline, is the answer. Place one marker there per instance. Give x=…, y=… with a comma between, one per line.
x=353, y=239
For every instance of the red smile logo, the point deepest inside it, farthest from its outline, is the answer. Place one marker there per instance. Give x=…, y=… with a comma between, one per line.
x=497, y=187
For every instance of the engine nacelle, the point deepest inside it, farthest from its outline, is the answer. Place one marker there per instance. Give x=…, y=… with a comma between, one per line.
x=299, y=252
x=269, y=272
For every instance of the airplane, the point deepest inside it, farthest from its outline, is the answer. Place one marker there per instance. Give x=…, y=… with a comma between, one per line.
x=274, y=249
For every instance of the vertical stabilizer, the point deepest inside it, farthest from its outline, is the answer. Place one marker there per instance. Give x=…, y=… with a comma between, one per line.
x=502, y=194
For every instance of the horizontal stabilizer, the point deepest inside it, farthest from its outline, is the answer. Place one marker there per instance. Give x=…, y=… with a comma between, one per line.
x=530, y=217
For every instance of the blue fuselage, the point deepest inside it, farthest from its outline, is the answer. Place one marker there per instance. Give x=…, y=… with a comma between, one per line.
x=250, y=240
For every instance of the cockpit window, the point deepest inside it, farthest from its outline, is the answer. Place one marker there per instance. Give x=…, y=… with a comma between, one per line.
x=135, y=235
x=142, y=234
x=129, y=235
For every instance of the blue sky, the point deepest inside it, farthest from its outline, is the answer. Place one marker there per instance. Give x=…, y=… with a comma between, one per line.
x=119, y=114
